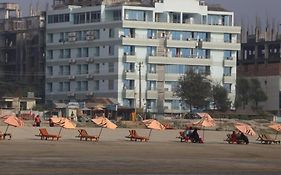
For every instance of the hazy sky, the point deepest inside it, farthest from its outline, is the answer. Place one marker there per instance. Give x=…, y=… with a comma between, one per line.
x=244, y=9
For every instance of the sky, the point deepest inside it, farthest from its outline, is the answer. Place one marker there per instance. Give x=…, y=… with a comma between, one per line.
x=245, y=10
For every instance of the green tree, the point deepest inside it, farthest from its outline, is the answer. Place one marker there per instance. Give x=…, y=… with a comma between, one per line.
x=242, y=93
x=220, y=97
x=194, y=89
x=256, y=93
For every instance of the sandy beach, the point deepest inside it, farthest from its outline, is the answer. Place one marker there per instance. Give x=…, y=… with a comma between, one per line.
x=114, y=154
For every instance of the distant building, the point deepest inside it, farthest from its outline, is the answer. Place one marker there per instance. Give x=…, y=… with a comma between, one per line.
x=22, y=51
x=260, y=59
x=135, y=51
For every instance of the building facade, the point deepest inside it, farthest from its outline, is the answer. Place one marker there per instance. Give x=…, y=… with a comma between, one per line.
x=22, y=52
x=135, y=51
x=260, y=59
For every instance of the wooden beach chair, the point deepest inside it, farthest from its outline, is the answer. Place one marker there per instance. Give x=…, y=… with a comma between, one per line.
x=83, y=134
x=45, y=135
x=266, y=139
x=133, y=136
x=4, y=135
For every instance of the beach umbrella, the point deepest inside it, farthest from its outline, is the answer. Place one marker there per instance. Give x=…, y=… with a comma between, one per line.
x=276, y=127
x=63, y=123
x=103, y=122
x=205, y=121
x=245, y=128
x=12, y=120
x=153, y=124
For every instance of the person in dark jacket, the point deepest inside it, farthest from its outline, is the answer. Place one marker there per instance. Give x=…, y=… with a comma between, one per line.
x=195, y=136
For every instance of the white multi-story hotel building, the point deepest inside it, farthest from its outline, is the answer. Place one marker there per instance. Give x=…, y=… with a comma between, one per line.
x=135, y=51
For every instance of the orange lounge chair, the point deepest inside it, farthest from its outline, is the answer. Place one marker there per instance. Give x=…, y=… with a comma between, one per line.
x=133, y=136
x=83, y=134
x=45, y=135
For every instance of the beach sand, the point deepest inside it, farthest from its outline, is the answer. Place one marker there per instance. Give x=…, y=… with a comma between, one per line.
x=114, y=154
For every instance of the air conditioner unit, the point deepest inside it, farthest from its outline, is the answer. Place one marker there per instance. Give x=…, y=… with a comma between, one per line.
x=72, y=61
x=72, y=39
x=90, y=76
x=72, y=34
x=71, y=94
x=90, y=93
x=90, y=38
x=90, y=60
x=71, y=77
x=90, y=33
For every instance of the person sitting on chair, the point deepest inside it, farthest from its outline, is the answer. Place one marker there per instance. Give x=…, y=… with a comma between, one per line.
x=195, y=136
x=187, y=133
x=243, y=137
x=233, y=137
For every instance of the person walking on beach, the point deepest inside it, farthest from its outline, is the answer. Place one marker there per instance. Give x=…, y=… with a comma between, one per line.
x=37, y=121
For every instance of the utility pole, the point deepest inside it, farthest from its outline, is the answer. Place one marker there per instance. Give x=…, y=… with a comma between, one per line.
x=139, y=69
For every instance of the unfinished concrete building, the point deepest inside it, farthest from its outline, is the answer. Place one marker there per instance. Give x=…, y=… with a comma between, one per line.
x=22, y=41
x=260, y=59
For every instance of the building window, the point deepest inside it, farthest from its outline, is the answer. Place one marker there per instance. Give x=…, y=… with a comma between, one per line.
x=67, y=53
x=111, y=50
x=227, y=71
x=129, y=32
x=111, y=67
x=50, y=38
x=151, y=51
x=110, y=84
x=79, y=53
x=60, y=18
x=50, y=70
x=129, y=50
x=129, y=84
x=176, y=35
x=227, y=87
x=151, y=34
x=96, y=51
x=117, y=14
x=96, y=85
x=82, y=69
x=227, y=38
x=152, y=68
x=175, y=17
x=151, y=85
x=227, y=55
x=129, y=67
x=135, y=15
x=97, y=68
x=50, y=54
x=82, y=85
x=64, y=70
x=85, y=52
x=111, y=33
x=151, y=104
x=60, y=86
x=66, y=86
x=49, y=87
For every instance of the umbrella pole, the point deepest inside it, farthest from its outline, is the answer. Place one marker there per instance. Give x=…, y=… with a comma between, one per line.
x=100, y=132
x=149, y=133
x=276, y=135
x=6, y=129
x=60, y=131
x=203, y=133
